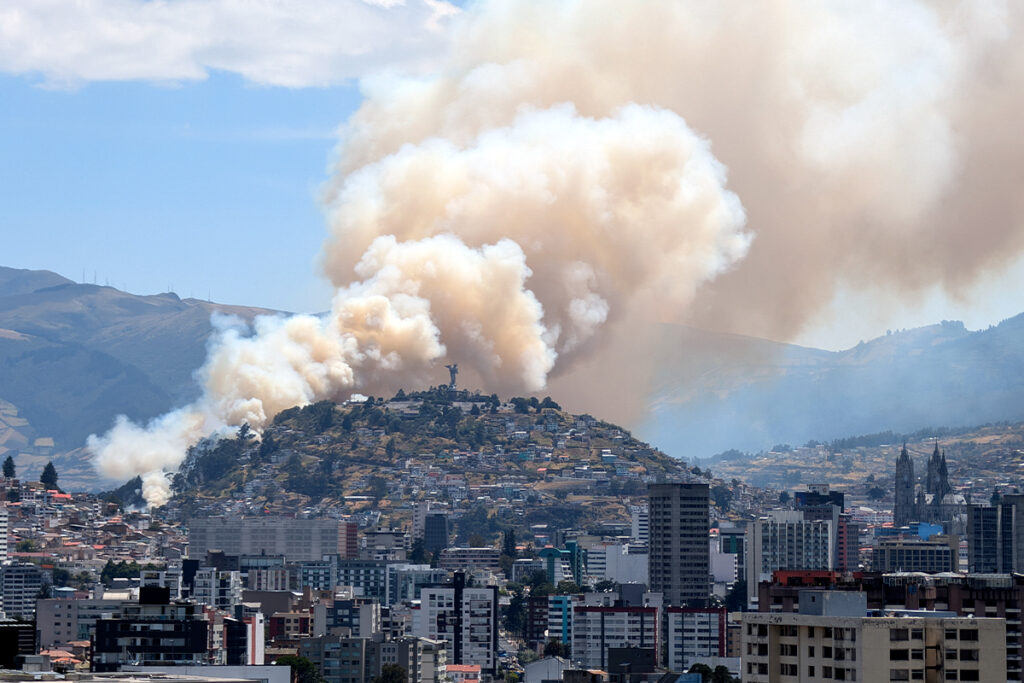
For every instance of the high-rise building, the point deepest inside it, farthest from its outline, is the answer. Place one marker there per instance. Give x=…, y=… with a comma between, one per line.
x=597, y=628
x=20, y=585
x=679, y=556
x=348, y=544
x=641, y=524
x=904, y=507
x=3, y=532
x=435, y=532
x=995, y=536
x=466, y=618
x=783, y=539
x=692, y=632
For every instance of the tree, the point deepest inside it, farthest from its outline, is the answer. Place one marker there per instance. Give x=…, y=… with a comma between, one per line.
x=477, y=541
x=509, y=543
x=49, y=476
x=703, y=669
x=9, y=468
x=736, y=598
x=303, y=670
x=876, y=493
x=391, y=673
x=556, y=648
x=418, y=553
x=566, y=587
x=784, y=497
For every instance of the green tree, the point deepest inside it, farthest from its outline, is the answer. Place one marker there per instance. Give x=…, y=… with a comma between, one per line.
x=784, y=497
x=704, y=670
x=509, y=543
x=9, y=471
x=61, y=577
x=418, y=554
x=49, y=476
x=515, y=614
x=391, y=673
x=556, y=648
x=303, y=670
x=567, y=587
x=876, y=493
x=736, y=598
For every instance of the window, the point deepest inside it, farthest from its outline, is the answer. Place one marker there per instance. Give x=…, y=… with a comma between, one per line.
x=826, y=652
x=969, y=675
x=950, y=654
x=969, y=634
x=917, y=675
x=899, y=675
x=968, y=655
x=899, y=655
x=899, y=634
x=917, y=653
x=810, y=650
x=810, y=671
x=951, y=675
x=916, y=633
x=950, y=634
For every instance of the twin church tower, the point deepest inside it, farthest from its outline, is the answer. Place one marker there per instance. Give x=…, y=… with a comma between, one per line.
x=934, y=502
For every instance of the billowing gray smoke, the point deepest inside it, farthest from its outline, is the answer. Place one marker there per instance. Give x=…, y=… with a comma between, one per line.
x=555, y=185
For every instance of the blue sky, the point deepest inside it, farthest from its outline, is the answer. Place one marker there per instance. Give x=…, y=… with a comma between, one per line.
x=208, y=186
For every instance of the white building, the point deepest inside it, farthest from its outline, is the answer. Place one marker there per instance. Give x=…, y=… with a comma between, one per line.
x=3, y=534
x=466, y=618
x=217, y=588
x=641, y=522
x=783, y=539
x=693, y=633
x=621, y=563
x=595, y=629
x=545, y=670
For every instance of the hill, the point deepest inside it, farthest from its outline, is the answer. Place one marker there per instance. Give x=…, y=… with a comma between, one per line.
x=982, y=460
x=73, y=356
x=719, y=392
x=431, y=445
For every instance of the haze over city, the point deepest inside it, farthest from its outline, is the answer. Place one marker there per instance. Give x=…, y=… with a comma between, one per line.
x=440, y=341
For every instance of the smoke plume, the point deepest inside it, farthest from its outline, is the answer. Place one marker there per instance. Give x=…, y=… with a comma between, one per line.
x=553, y=187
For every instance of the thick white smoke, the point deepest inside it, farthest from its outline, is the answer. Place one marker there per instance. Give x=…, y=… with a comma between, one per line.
x=595, y=203
x=554, y=185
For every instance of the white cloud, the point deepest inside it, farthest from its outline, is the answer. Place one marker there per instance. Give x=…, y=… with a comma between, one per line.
x=293, y=43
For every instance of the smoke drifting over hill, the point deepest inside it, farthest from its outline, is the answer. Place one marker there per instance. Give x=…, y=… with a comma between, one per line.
x=564, y=178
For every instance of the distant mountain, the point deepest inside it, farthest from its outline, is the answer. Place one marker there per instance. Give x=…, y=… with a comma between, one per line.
x=725, y=391
x=73, y=356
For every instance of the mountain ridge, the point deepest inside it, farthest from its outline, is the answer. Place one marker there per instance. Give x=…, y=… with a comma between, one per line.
x=73, y=356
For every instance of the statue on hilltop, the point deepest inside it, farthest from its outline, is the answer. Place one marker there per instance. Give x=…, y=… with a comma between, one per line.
x=453, y=370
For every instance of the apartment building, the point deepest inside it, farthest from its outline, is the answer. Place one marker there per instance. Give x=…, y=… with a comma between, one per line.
x=831, y=639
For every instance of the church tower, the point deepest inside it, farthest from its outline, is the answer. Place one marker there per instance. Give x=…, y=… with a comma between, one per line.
x=903, y=510
x=933, y=481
